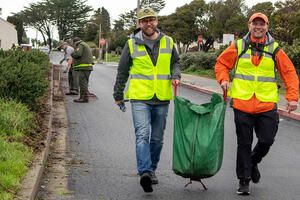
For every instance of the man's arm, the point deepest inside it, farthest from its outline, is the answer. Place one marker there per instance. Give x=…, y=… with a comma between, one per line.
x=289, y=76
x=175, y=66
x=69, y=62
x=78, y=51
x=122, y=74
x=225, y=63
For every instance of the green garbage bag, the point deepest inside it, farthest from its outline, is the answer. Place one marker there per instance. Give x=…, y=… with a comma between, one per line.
x=198, y=137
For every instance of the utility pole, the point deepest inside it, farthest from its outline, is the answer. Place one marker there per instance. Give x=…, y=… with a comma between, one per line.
x=100, y=33
x=100, y=49
x=137, y=11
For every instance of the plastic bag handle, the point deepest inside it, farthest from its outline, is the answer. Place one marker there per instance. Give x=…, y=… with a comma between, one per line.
x=225, y=95
x=175, y=89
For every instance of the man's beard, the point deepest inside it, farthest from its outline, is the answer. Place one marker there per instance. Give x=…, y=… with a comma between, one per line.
x=147, y=33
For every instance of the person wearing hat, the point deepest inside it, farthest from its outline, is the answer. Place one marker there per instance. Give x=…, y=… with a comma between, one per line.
x=153, y=63
x=255, y=59
x=82, y=65
x=73, y=84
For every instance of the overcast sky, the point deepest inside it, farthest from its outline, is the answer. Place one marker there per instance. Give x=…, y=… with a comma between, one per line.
x=114, y=7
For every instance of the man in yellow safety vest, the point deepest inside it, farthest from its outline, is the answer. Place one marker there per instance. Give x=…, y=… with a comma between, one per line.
x=153, y=62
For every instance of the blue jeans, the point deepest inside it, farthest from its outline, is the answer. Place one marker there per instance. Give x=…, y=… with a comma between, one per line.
x=149, y=124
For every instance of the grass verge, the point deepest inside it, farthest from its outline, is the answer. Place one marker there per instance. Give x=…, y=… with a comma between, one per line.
x=111, y=58
x=16, y=122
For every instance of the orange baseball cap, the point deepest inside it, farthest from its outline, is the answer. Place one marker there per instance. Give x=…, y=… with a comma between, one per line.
x=259, y=15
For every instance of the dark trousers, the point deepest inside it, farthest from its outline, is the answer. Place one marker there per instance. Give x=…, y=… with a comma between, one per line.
x=73, y=82
x=83, y=78
x=265, y=125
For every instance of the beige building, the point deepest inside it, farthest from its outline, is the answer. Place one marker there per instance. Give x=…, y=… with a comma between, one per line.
x=8, y=35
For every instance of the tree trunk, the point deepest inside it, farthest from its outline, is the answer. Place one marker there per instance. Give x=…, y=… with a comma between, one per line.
x=49, y=38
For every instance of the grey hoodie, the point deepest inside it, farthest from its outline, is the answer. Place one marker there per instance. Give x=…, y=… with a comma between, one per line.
x=126, y=63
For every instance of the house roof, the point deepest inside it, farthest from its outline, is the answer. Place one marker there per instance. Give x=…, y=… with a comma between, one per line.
x=7, y=22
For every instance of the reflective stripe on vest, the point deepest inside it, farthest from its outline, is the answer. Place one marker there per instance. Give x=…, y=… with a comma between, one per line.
x=150, y=77
x=147, y=80
x=250, y=79
x=83, y=65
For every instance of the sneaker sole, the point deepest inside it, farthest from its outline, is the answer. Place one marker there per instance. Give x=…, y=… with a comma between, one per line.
x=146, y=184
x=242, y=193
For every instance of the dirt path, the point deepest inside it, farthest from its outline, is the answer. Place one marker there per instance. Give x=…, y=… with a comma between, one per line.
x=55, y=181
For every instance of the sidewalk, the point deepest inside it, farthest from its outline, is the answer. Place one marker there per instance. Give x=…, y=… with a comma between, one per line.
x=210, y=86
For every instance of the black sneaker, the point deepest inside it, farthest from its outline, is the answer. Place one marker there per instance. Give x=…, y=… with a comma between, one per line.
x=146, y=182
x=243, y=187
x=255, y=174
x=154, y=179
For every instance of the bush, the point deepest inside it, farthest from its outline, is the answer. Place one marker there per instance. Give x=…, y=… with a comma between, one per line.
x=23, y=76
x=198, y=60
x=92, y=44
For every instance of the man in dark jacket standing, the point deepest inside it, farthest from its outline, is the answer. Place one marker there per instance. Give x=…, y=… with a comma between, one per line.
x=82, y=65
x=153, y=62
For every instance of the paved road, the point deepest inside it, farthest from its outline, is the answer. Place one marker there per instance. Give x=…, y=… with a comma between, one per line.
x=101, y=139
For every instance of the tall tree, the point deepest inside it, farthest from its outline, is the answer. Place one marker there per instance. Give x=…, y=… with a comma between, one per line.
x=18, y=22
x=296, y=31
x=182, y=25
x=219, y=13
x=284, y=20
x=101, y=16
x=70, y=17
x=37, y=16
x=265, y=7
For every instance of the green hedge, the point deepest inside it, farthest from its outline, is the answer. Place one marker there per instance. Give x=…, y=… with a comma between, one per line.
x=200, y=60
x=23, y=76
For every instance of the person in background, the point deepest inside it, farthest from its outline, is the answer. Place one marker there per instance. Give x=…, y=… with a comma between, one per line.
x=82, y=65
x=153, y=62
x=73, y=83
x=255, y=59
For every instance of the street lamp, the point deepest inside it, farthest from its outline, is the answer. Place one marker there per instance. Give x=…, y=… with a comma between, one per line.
x=100, y=49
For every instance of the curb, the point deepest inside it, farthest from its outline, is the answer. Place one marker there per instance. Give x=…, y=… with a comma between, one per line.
x=282, y=112
x=31, y=181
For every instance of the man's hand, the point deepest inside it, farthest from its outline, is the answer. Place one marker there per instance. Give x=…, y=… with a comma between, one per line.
x=175, y=81
x=291, y=106
x=117, y=102
x=225, y=85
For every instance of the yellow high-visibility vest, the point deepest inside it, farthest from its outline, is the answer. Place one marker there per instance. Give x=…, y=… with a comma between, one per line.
x=83, y=65
x=250, y=79
x=147, y=80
